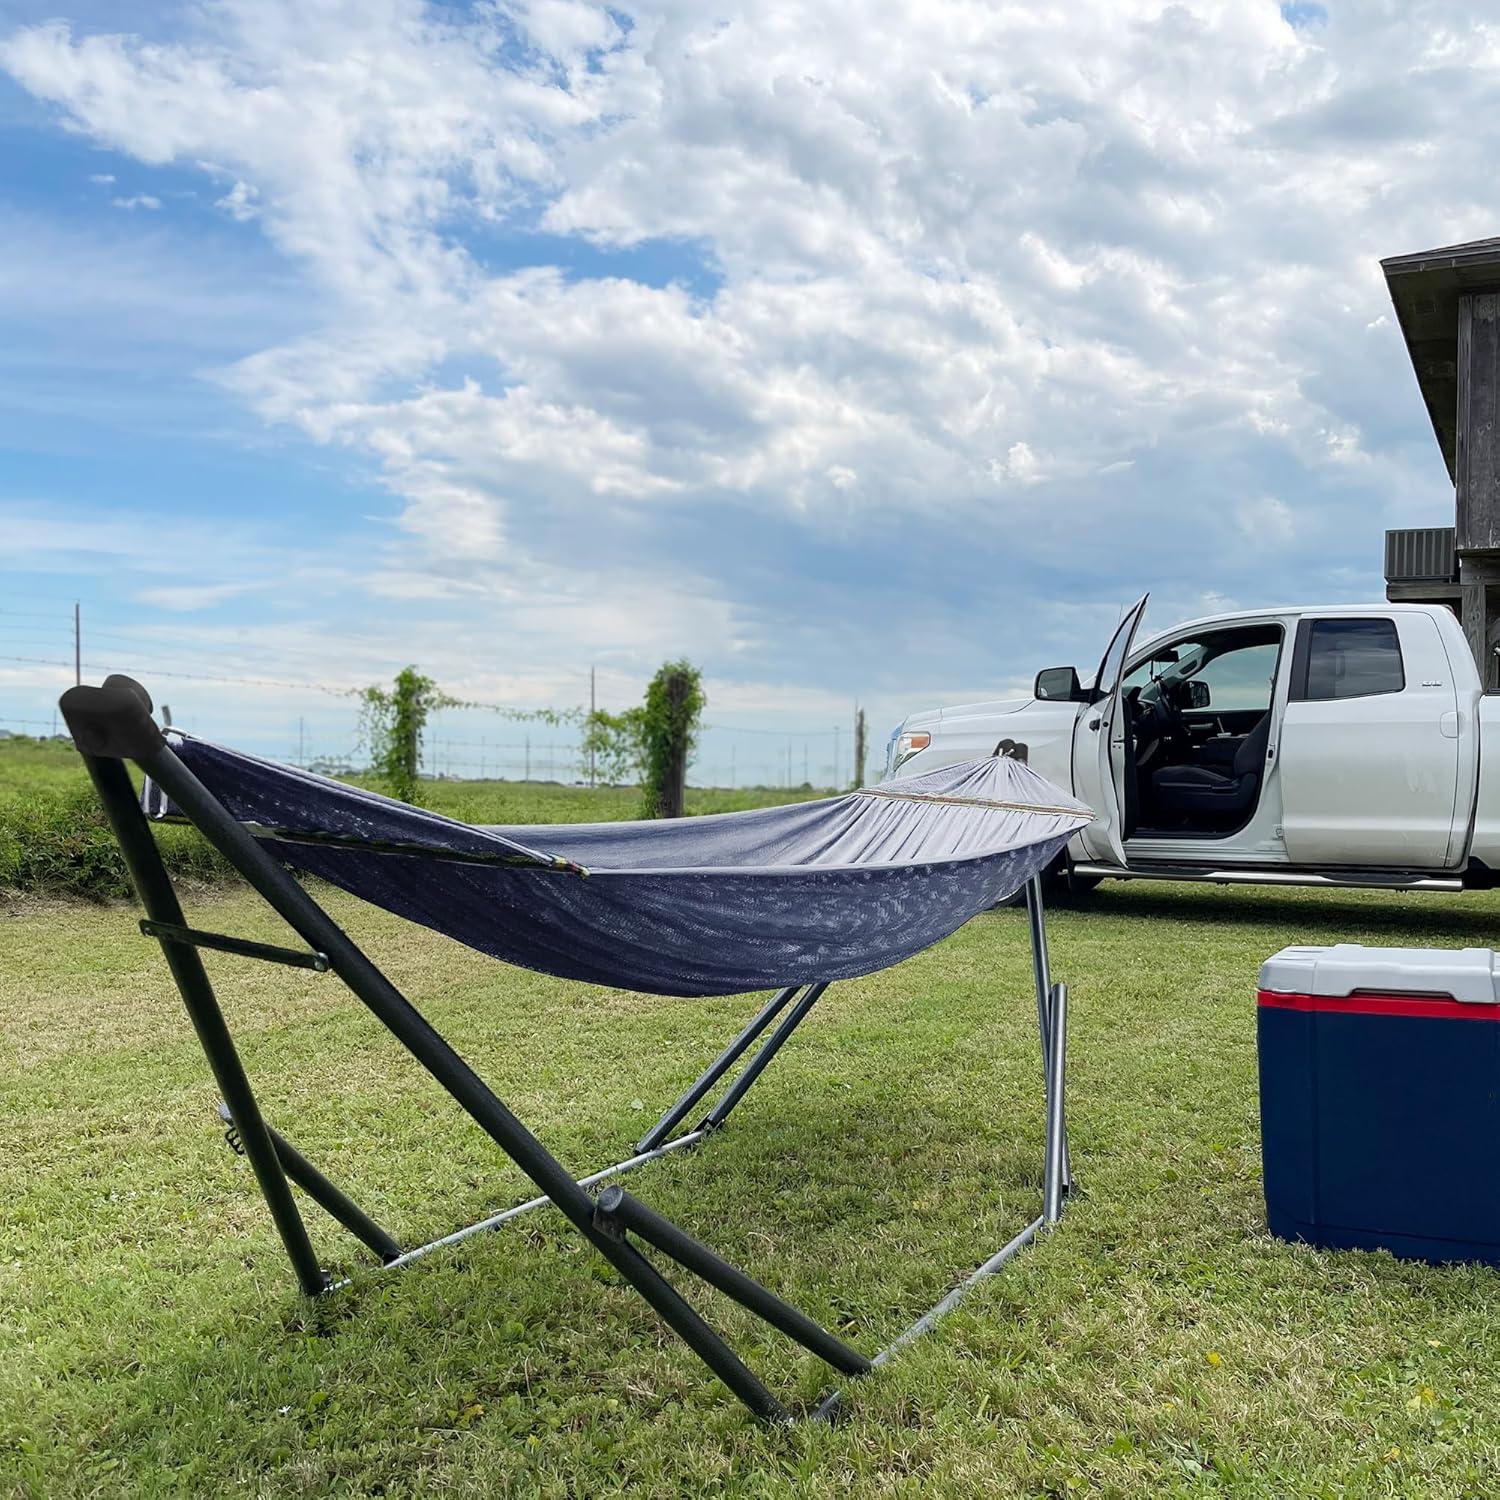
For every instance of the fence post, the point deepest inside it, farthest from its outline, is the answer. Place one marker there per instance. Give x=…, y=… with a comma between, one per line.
x=674, y=783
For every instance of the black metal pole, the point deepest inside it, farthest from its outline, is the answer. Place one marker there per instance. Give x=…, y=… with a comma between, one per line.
x=324, y=1193
x=154, y=887
x=715, y=1071
x=397, y=1013
x=615, y=1204
x=773, y=1044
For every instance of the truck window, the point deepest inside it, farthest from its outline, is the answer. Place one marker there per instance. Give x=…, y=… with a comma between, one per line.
x=1238, y=666
x=1346, y=659
x=1241, y=677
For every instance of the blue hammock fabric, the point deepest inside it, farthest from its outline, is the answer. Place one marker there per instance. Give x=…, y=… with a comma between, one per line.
x=715, y=905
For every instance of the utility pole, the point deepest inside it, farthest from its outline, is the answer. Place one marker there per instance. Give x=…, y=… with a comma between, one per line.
x=732, y=781
x=859, y=746
x=593, y=709
x=77, y=644
x=301, y=741
x=527, y=776
x=835, y=757
x=789, y=762
x=804, y=763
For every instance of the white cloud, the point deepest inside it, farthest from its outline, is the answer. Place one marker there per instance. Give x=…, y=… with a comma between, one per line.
x=138, y=200
x=239, y=202
x=1068, y=284
x=186, y=598
x=1266, y=521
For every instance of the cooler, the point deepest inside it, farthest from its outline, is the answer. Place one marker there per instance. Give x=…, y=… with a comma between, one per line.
x=1380, y=1122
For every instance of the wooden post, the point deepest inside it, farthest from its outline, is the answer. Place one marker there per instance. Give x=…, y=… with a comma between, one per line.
x=674, y=784
x=1477, y=478
x=859, y=747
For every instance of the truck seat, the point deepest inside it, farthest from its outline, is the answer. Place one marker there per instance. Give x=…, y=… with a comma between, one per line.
x=1191, y=792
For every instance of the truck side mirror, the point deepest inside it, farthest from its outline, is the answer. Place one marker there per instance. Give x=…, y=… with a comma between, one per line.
x=1198, y=694
x=1058, y=685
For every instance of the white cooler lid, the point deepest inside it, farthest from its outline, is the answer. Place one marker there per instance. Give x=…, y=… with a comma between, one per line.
x=1460, y=973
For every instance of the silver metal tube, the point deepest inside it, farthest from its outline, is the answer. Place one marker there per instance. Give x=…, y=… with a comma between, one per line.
x=505, y=1215
x=925, y=1323
x=1036, y=917
x=1052, y=1198
x=929, y=1319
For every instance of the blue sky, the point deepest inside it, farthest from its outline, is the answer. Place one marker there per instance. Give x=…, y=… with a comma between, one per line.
x=880, y=366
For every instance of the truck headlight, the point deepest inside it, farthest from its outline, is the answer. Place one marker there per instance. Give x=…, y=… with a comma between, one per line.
x=905, y=744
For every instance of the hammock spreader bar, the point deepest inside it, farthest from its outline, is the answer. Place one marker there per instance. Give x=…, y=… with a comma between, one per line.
x=112, y=724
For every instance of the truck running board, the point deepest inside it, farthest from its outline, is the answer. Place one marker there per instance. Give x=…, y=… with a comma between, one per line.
x=1382, y=880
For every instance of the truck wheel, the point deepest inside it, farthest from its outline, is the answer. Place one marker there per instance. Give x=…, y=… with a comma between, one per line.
x=1075, y=884
x=1059, y=879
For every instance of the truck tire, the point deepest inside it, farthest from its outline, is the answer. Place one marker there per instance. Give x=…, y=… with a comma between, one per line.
x=1059, y=879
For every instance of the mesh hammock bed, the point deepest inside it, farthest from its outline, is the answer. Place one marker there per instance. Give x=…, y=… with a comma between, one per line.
x=713, y=905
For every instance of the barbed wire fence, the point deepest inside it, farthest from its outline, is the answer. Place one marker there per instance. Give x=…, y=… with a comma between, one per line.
x=320, y=730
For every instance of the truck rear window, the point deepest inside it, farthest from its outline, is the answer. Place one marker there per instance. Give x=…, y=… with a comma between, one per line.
x=1347, y=659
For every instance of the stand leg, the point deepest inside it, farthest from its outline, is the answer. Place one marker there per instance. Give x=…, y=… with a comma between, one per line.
x=1055, y=1184
x=757, y=1064
x=1036, y=916
x=618, y=1209
x=154, y=886
x=715, y=1071
x=317, y=1187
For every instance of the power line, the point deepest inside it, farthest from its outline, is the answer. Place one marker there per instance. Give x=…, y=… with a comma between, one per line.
x=312, y=687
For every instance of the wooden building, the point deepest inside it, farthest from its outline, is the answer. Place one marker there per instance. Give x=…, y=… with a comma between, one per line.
x=1448, y=305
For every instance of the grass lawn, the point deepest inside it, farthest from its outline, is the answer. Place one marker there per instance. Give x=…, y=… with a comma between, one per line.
x=1159, y=1342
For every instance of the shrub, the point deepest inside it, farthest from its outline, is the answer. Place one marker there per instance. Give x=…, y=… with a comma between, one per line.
x=59, y=843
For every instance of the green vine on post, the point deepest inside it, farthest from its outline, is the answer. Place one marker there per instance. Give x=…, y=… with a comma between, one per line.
x=669, y=733
x=392, y=723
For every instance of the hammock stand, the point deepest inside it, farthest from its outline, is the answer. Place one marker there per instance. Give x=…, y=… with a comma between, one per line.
x=113, y=724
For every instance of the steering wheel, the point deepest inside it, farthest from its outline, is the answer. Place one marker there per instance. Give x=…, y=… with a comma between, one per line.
x=1174, y=726
x=1159, y=724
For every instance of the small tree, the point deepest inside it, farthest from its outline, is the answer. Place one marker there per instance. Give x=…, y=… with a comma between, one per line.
x=617, y=743
x=393, y=720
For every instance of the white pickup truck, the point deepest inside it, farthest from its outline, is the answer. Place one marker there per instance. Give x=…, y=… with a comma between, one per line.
x=1348, y=745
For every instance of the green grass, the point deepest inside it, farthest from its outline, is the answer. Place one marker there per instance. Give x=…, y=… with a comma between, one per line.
x=54, y=839
x=29, y=766
x=1160, y=1342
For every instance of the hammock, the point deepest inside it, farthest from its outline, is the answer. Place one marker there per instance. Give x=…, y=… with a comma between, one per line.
x=789, y=896
x=714, y=905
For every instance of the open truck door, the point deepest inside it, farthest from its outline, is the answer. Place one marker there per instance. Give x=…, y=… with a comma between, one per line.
x=1103, y=754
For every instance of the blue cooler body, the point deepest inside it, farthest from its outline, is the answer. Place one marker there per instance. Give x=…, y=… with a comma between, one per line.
x=1380, y=1099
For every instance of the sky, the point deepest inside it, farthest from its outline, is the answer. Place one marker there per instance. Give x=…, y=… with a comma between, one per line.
x=874, y=354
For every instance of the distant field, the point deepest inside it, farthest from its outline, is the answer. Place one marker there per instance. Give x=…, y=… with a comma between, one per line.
x=53, y=838
x=29, y=767
x=1159, y=1343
